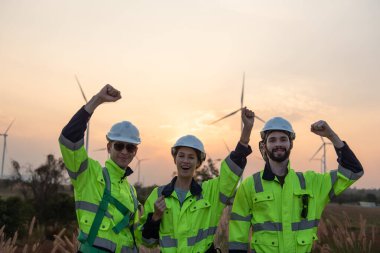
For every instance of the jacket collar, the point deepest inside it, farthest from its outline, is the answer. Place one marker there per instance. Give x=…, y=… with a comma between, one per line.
x=195, y=188
x=116, y=171
x=268, y=173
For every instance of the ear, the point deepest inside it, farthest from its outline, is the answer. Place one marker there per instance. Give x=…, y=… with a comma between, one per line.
x=291, y=145
x=109, y=146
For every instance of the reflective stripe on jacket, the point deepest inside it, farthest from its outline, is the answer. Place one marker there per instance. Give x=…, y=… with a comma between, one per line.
x=89, y=185
x=274, y=212
x=191, y=228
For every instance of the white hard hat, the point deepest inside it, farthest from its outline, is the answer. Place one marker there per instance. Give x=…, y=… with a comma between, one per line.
x=192, y=142
x=278, y=124
x=124, y=131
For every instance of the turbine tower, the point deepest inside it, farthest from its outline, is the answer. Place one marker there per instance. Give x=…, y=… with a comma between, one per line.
x=88, y=124
x=139, y=161
x=241, y=107
x=323, y=159
x=5, y=135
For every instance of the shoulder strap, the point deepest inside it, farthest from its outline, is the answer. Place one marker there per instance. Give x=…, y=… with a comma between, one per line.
x=100, y=213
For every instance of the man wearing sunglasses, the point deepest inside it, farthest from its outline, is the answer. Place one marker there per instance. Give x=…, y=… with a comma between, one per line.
x=105, y=202
x=282, y=206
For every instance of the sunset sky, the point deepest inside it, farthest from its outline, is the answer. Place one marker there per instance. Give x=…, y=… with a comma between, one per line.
x=179, y=66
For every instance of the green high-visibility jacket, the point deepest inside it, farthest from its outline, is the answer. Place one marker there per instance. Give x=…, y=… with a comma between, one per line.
x=89, y=186
x=191, y=228
x=274, y=211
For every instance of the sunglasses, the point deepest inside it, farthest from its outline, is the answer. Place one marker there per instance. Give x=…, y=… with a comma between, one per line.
x=120, y=146
x=305, y=206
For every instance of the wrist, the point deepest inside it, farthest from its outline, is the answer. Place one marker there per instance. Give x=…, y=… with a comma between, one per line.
x=155, y=217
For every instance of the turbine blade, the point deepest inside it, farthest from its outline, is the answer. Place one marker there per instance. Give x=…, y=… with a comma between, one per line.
x=228, y=115
x=9, y=127
x=99, y=149
x=225, y=144
x=80, y=87
x=323, y=140
x=316, y=152
x=260, y=119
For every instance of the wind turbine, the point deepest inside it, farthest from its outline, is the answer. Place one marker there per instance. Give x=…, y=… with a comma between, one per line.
x=323, y=159
x=241, y=107
x=139, y=167
x=5, y=135
x=88, y=124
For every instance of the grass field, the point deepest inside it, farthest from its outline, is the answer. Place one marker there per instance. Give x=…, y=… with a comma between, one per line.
x=344, y=228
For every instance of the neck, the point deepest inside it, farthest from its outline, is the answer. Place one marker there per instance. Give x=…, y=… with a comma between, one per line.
x=183, y=183
x=279, y=168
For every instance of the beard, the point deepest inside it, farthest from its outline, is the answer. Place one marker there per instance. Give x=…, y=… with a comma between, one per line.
x=278, y=159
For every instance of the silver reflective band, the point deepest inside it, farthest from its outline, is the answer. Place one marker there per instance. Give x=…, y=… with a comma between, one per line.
x=90, y=207
x=304, y=224
x=70, y=145
x=301, y=178
x=103, y=243
x=349, y=174
x=107, y=179
x=238, y=246
x=334, y=177
x=234, y=167
x=257, y=182
x=83, y=166
x=267, y=226
x=126, y=249
x=202, y=234
x=223, y=198
x=150, y=241
x=235, y=216
x=168, y=242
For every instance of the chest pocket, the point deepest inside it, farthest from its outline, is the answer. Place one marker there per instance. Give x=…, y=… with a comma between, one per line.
x=262, y=204
x=200, y=206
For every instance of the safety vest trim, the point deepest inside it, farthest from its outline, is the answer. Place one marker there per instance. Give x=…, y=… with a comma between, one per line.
x=150, y=241
x=101, y=242
x=238, y=246
x=258, y=183
x=83, y=166
x=234, y=167
x=235, y=216
x=301, y=178
x=126, y=249
x=223, y=198
x=305, y=224
x=168, y=242
x=69, y=144
x=334, y=178
x=267, y=226
x=202, y=234
x=90, y=207
x=350, y=174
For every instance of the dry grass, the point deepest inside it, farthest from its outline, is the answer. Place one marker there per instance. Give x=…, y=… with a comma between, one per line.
x=342, y=229
x=344, y=234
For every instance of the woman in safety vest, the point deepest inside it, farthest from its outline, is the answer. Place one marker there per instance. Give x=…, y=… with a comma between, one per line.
x=105, y=202
x=183, y=215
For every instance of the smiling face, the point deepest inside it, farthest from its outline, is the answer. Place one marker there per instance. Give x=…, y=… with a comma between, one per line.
x=278, y=146
x=187, y=162
x=122, y=153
